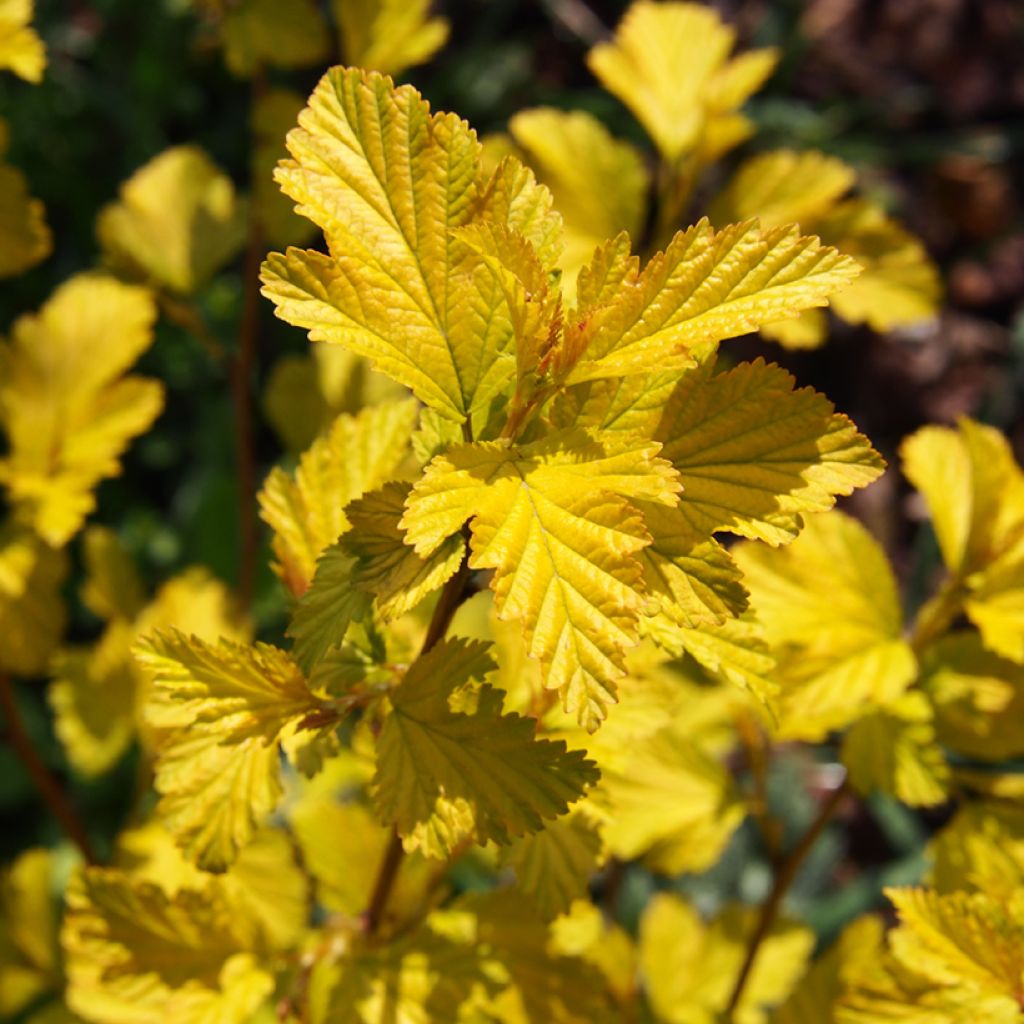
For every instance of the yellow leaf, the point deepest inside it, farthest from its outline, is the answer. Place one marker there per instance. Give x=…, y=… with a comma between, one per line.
x=894, y=750
x=66, y=407
x=112, y=588
x=24, y=236
x=553, y=866
x=385, y=566
x=962, y=940
x=388, y=182
x=753, y=453
x=441, y=773
x=706, y=286
x=32, y=614
x=833, y=974
x=176, y=223
x=978, y=698
x=808, y=330
x=273, y=114
x=666, y=800
x=138, y=956
x=29, y=954
x=981, y=849
x=21, y=50
x=93, y=695
x=690, y=967
x=552, y=518
x=669, y=64
x=899, y=285
x=279, y=33
x=230, y=708
x=831, y=614
x=784, y=187
x=306, y=513
x=389, y=35
x=599, y=184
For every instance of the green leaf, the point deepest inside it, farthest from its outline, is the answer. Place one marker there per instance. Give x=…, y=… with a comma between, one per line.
x=442, y=773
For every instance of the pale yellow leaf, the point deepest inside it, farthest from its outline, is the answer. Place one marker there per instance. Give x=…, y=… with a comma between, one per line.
x=176, y=223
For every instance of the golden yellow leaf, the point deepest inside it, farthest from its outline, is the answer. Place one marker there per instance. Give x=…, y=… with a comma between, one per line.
x=706, y=286
x=24, y=236
x=894, y=750
x=388, y=182
x=669, y=64
x=229, y=709
x=176, y=223
x=808, y=330
x=554, y=521
x=67, y=409
x=690, y=967
x=29, y=955
x=112, y=588
x=599, y=184
x=32, y=613
x=389, y=35
x=306, y=513
x=981, y=849
x=21, y=50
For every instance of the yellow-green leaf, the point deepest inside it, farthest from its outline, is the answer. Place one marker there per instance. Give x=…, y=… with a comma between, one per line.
x=753, y=453
x=706, y=286
x=552, y=518
x=24, y=236
x=21, y=50
x=112, y=588
x=894, y=751
x=981, y=849
x=669, y=64
x=65, y=404
x=279, y=33
x=306, y=512
x=388, y=182
x=440, y=769
x=389, y=35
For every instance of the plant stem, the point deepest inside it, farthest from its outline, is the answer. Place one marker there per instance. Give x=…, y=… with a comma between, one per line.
x=578, y=19
x=453, y=594
x=784, y=876
x=55, y=797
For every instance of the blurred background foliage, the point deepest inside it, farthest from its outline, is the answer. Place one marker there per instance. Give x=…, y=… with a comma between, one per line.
x=924, y=97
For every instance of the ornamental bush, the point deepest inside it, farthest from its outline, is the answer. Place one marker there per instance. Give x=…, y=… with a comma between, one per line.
x=548, y=668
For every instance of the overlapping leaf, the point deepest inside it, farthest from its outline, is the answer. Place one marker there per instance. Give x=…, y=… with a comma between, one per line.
x=65, y=404
x=24, y=236
x=832, y=616
x=552, y=518
x=445, y=774
x=229, y=709
x=388, y=183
